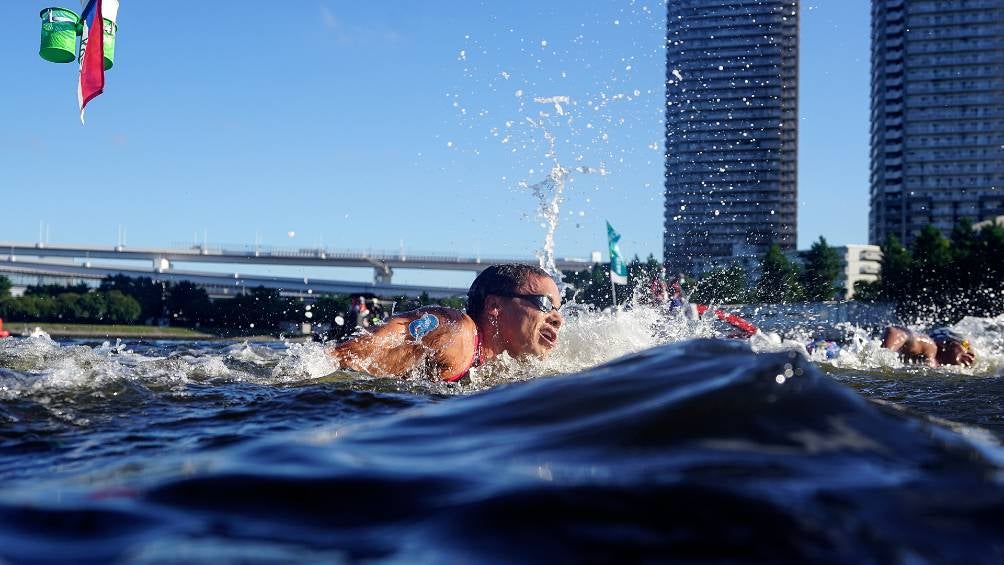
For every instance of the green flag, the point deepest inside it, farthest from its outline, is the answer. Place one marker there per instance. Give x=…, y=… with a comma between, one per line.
x=618, y=269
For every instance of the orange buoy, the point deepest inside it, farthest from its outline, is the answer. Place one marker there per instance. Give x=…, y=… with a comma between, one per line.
x=3, y=333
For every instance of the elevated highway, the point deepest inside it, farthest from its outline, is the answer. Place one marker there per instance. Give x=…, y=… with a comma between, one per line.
x=382, y=263
x=23, y=272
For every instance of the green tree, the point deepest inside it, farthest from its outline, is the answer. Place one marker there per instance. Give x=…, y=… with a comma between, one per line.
x=5, y=286
x=456, y=302
x=187, y=304
x=149, y=294
x=56, y=289
x=592, y=286
x=32, y=308
x=822, y=267
x=867, y=291
x=986, y=278
x=121, y=309
x=779, y=278
x=92, y=306
x=724, y=285
x=931, y=292
x=942, y=280
x=68, y=307
x=328, y=306
x=896, y=266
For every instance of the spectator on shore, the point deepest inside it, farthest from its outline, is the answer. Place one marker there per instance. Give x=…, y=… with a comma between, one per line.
x=511, y=309
x=941, y=347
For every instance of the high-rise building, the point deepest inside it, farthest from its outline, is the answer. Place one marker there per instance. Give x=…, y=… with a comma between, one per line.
x=937, y=115
x=731, y=130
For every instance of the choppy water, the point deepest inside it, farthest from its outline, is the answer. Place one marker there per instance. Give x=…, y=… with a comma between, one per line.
x=640, y=442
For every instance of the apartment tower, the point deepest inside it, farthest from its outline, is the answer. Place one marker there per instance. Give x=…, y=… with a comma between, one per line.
x=937, y=115
x=731, y=131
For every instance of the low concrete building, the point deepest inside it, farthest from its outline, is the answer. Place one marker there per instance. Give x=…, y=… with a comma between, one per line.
x=999, y=221
x=858, y=263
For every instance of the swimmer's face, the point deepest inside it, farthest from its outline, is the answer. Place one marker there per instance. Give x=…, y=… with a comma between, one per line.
x=522, y=327
x=953, y=353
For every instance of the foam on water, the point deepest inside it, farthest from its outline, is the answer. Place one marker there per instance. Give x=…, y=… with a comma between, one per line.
x=38, y=365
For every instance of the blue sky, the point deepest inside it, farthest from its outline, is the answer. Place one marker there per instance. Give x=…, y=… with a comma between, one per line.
x=377, y=125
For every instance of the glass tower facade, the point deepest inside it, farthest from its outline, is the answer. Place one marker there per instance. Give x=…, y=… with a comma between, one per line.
x=731, y=131
x=937, y=115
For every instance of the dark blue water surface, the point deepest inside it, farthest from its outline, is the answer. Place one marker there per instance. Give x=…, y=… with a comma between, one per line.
x=692, y=452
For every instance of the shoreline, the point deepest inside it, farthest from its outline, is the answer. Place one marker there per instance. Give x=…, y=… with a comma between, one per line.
x=112, y=331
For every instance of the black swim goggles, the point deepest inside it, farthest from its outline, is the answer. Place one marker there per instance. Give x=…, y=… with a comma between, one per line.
x=541, y=301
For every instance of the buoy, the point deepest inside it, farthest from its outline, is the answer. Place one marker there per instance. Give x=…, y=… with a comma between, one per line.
x=59, y=35
x=3, y=333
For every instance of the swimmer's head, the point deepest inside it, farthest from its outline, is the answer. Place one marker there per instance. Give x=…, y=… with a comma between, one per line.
x=953, y=348
x=517, y=308
x=498, y=279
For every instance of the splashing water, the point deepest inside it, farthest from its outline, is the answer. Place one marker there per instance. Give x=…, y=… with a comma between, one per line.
x=549, y=191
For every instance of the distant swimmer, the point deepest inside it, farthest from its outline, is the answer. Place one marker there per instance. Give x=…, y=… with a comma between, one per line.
x=742, y=328
x=941, y=347
x=510, y=309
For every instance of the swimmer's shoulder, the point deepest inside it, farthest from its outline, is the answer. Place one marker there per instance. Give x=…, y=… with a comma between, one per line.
x=449, y=334
x=444, y=317
x=439, y=327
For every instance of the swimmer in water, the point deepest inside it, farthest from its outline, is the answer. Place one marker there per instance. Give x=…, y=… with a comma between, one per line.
x=510, y=309
x=942, y=347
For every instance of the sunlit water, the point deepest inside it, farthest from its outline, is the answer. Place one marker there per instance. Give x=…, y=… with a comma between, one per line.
x=636, y=439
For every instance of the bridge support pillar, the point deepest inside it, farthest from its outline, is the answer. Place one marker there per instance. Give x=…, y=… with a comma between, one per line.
x=161, y=264
x=382, y=274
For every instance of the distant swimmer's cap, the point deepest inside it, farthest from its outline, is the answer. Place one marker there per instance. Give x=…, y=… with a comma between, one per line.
x=948, y=335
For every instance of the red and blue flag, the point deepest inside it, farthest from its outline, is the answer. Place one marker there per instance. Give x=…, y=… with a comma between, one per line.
x=92, y=49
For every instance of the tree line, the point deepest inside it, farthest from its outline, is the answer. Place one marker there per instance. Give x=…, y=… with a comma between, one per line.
x=126, y=300
x=941, y=279
x=938, y=280
x=781, y=280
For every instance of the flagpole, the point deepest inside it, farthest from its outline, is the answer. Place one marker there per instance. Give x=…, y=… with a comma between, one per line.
x=613, y=292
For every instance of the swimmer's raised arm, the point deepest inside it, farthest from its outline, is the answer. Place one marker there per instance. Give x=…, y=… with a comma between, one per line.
x=438, y=340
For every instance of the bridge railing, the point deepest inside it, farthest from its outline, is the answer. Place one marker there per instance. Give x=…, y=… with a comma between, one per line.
x=334, y=253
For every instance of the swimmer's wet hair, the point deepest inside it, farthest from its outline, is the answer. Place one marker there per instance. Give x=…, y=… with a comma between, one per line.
x=498, y=279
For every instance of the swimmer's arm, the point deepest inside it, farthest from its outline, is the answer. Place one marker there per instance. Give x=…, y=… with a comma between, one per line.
x=390, y=350
x=894, y=338
x=910, y=346
x=924, y=348
x=382, y=352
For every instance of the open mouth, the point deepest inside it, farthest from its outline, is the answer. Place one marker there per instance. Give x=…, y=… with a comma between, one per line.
x=549, y=336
